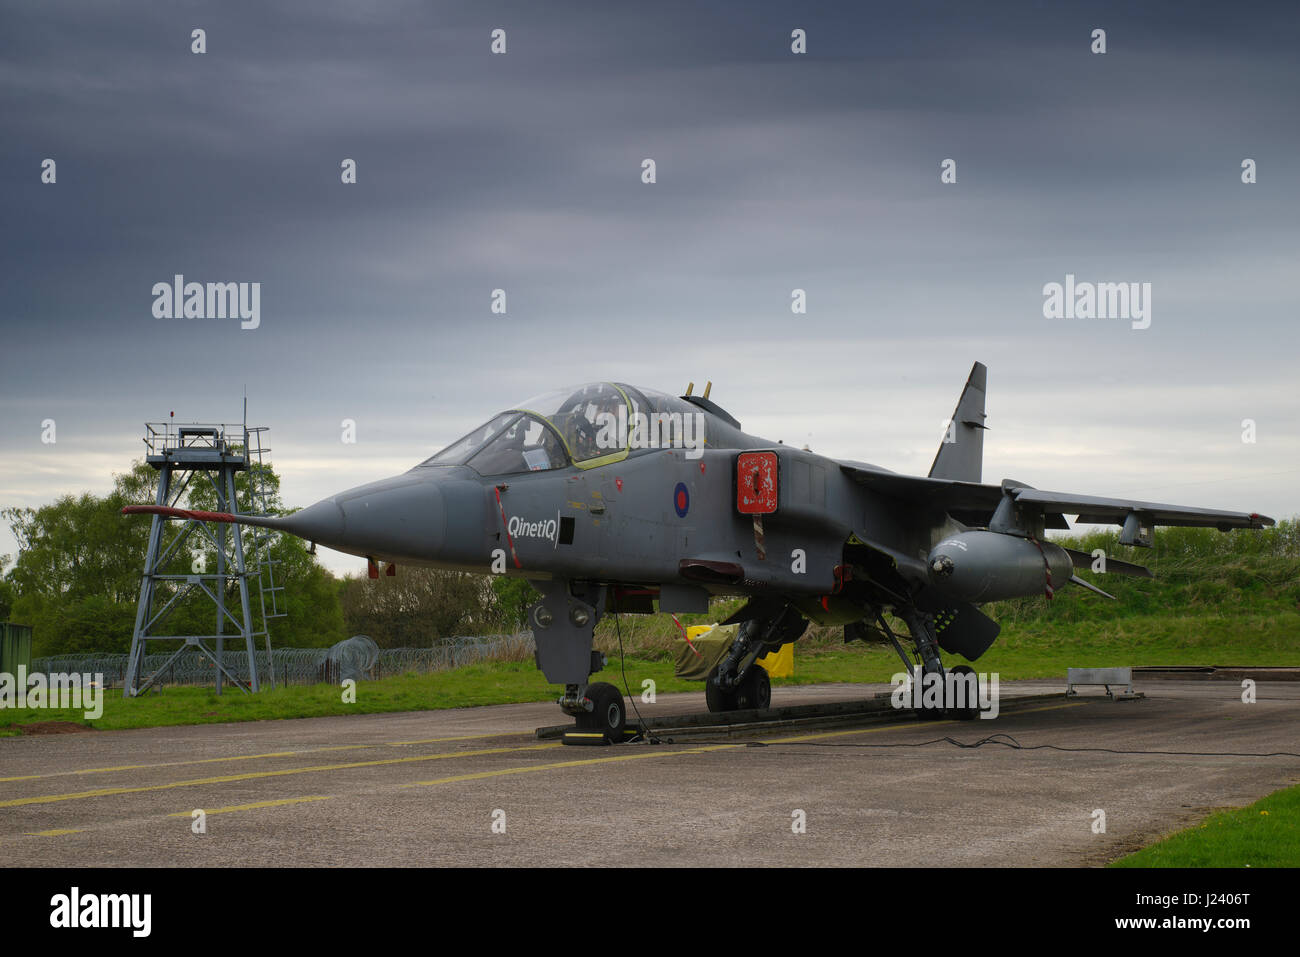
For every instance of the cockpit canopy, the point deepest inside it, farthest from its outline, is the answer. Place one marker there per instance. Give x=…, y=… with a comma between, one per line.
x=588, y=426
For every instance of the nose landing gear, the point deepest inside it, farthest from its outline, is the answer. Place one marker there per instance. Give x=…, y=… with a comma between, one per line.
x=607, y=718
x=564, y=623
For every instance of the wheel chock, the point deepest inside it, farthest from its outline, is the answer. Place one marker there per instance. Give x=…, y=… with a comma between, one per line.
x=583, y=738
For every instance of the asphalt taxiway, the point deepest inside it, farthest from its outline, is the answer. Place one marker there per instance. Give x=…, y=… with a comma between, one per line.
x=475, y=786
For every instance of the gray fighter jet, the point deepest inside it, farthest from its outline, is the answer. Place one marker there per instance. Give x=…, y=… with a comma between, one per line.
x=612, y=499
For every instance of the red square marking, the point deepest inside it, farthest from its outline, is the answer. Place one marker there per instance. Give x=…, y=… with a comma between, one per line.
x=756, y=483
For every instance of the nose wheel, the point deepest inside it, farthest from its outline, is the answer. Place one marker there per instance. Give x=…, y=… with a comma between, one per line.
x=607, y=718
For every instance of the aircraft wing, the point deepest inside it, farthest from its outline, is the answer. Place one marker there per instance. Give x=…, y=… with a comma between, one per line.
x=1092, y=510
x=970, y=502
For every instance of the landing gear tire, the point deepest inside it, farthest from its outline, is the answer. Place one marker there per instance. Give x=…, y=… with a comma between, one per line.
x=971, y=710
x=608, y=714
x=929, y=714
x=755, y=689
x=925, y=711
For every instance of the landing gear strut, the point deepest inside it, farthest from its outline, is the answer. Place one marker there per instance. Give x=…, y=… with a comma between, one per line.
x=739, y=682
x=921, y=626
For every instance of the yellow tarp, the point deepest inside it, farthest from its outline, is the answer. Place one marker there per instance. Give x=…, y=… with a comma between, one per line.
x=780, y=663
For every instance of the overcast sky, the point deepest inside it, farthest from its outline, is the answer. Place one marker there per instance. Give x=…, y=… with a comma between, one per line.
x=775, y=171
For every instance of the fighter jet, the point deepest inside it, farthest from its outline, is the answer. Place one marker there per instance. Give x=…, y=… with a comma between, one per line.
x=611, y=498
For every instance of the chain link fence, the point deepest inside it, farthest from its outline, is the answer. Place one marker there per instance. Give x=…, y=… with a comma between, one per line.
x=300, y=666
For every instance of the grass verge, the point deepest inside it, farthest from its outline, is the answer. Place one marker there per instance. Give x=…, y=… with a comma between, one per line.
x=1027, y=651
x=1264, y=834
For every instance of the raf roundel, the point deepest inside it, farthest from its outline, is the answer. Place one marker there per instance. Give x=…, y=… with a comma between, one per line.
x=681, y=500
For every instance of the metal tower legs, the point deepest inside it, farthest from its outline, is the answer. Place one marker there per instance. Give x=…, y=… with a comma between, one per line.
x=161, y=592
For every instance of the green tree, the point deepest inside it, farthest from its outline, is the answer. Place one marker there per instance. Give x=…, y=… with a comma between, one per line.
x=7, y=591
x=77, y=576
x=513, y=596
x=310, y=595
x=419, y=606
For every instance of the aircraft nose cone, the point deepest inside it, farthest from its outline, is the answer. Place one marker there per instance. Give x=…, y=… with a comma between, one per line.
x=321, y=523
x=397, y=518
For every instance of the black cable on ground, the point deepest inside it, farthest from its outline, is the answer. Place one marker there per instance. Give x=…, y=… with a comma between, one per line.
x=1006, y=741
x=645, y=731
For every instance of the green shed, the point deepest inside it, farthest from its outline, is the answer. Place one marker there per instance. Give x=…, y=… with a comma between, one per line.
x=15, y=647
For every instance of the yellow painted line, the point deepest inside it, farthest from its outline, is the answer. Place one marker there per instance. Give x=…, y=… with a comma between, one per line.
x=254, y=775
x=253, y=757
x=840, y=734
x=254, y=806
x=481, y=775
x=57, y=832
x=145, y=767
x=459, y=737
x=550, y=766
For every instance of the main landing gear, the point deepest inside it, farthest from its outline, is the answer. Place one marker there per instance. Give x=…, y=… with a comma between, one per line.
x=739, y=682
x=951, y=704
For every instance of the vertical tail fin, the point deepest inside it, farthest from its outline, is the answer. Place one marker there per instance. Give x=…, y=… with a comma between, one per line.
x=961, y=454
